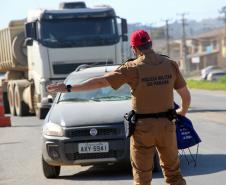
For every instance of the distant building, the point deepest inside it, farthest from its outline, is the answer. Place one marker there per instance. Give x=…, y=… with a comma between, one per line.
x=209, y=49
x=203, y=50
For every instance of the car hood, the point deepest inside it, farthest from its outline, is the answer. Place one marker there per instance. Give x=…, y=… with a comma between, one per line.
x=71, y=114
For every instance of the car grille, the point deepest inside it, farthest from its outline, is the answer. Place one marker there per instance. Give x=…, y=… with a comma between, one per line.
x=77, y=156
x=104, y=131
x=86, y=132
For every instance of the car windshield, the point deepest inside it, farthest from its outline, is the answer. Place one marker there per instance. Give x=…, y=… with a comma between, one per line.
x=101, y=94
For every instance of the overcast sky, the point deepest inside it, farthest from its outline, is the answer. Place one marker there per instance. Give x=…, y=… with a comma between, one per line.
x=152, y=12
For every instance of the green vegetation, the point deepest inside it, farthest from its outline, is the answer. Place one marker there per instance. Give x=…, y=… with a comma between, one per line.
x=202, y=84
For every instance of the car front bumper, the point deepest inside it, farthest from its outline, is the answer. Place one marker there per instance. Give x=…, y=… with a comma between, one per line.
x=64, y=150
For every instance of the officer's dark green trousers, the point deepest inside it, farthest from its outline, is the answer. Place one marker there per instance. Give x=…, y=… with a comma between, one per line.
x=150, y=134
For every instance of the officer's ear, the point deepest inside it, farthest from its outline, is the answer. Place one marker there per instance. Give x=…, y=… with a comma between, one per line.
x=137, y=51
x=134, y=49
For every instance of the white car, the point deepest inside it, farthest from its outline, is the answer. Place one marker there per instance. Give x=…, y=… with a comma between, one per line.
x=86, y=128
x=214, y=75
x=205, y=71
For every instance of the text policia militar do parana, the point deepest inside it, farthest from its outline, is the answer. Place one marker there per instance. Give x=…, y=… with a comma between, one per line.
x=157, y=80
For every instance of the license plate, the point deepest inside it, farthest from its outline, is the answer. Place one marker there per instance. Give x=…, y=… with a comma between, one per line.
x=100, y=147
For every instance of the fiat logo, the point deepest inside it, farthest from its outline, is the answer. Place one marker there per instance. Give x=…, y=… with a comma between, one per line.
x=93, y=132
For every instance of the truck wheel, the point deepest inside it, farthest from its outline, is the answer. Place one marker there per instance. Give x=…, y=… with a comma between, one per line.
x=19, y=49
x=50, y=171
x=21, y=108
x=41, y=112
x=6, y=103
x=11, y=100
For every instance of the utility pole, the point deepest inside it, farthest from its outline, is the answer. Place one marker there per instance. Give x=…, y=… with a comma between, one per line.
x=167, y=37
x=223, y=11
x=185, y=63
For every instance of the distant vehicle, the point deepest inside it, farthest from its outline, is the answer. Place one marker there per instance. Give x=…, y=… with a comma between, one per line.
x=205, y=71
x=86, y=128
x=214, y=75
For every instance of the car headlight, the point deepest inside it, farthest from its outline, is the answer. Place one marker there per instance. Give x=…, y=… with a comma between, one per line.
x=52, y=129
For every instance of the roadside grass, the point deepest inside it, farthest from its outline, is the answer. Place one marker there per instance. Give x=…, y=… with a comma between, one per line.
x=203, y=84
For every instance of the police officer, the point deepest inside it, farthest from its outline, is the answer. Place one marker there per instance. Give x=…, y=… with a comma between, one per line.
x=152, y=78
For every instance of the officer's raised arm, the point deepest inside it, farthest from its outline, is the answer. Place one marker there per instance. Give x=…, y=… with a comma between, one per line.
x=90, y=84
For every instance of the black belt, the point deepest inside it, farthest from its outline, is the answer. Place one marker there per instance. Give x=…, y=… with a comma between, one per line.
x=170, y=114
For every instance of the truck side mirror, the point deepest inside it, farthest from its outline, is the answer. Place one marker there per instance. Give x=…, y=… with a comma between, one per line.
x=124, y=38
x=30, y=30
x=28, y=41
x=50, y=100
x=124, y=27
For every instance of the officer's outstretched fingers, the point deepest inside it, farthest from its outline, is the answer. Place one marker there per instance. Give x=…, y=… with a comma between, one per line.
x=51, y=87
x=54, y=88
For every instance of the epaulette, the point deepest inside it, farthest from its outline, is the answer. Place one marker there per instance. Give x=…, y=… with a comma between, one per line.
x=163, y=55
x=125, y=61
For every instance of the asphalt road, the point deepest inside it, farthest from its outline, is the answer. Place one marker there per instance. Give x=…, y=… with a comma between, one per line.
x=20, y=151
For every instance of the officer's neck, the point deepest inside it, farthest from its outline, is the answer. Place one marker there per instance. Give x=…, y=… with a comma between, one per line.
x=150, y=54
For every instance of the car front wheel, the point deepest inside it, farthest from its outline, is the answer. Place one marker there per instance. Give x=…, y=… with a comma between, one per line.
x=50, y=171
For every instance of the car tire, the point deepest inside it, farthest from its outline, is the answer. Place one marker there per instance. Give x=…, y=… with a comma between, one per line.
x=50, y=171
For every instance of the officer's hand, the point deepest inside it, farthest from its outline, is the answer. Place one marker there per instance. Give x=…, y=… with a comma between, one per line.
x=181, y=112
x=58, y=87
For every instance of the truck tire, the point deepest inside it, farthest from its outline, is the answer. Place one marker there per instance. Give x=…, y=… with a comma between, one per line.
x=6, y=102
x=11, y=99
x=41, y=112
x=50, y=171
x=21, y=107
x=19, y=49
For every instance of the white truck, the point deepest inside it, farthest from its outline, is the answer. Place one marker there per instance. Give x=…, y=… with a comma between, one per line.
x=50, y=44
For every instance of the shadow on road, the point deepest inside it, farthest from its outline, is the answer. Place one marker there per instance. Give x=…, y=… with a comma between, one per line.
x=10, y=143
x=27, y=126
x=206, y=110
x=207, y=164
x=112, y=172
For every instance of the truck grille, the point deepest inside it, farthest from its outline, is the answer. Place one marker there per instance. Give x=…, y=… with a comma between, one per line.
x=68, y=68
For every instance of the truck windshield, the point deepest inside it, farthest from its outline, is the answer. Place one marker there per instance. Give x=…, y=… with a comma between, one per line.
x=79, y=32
